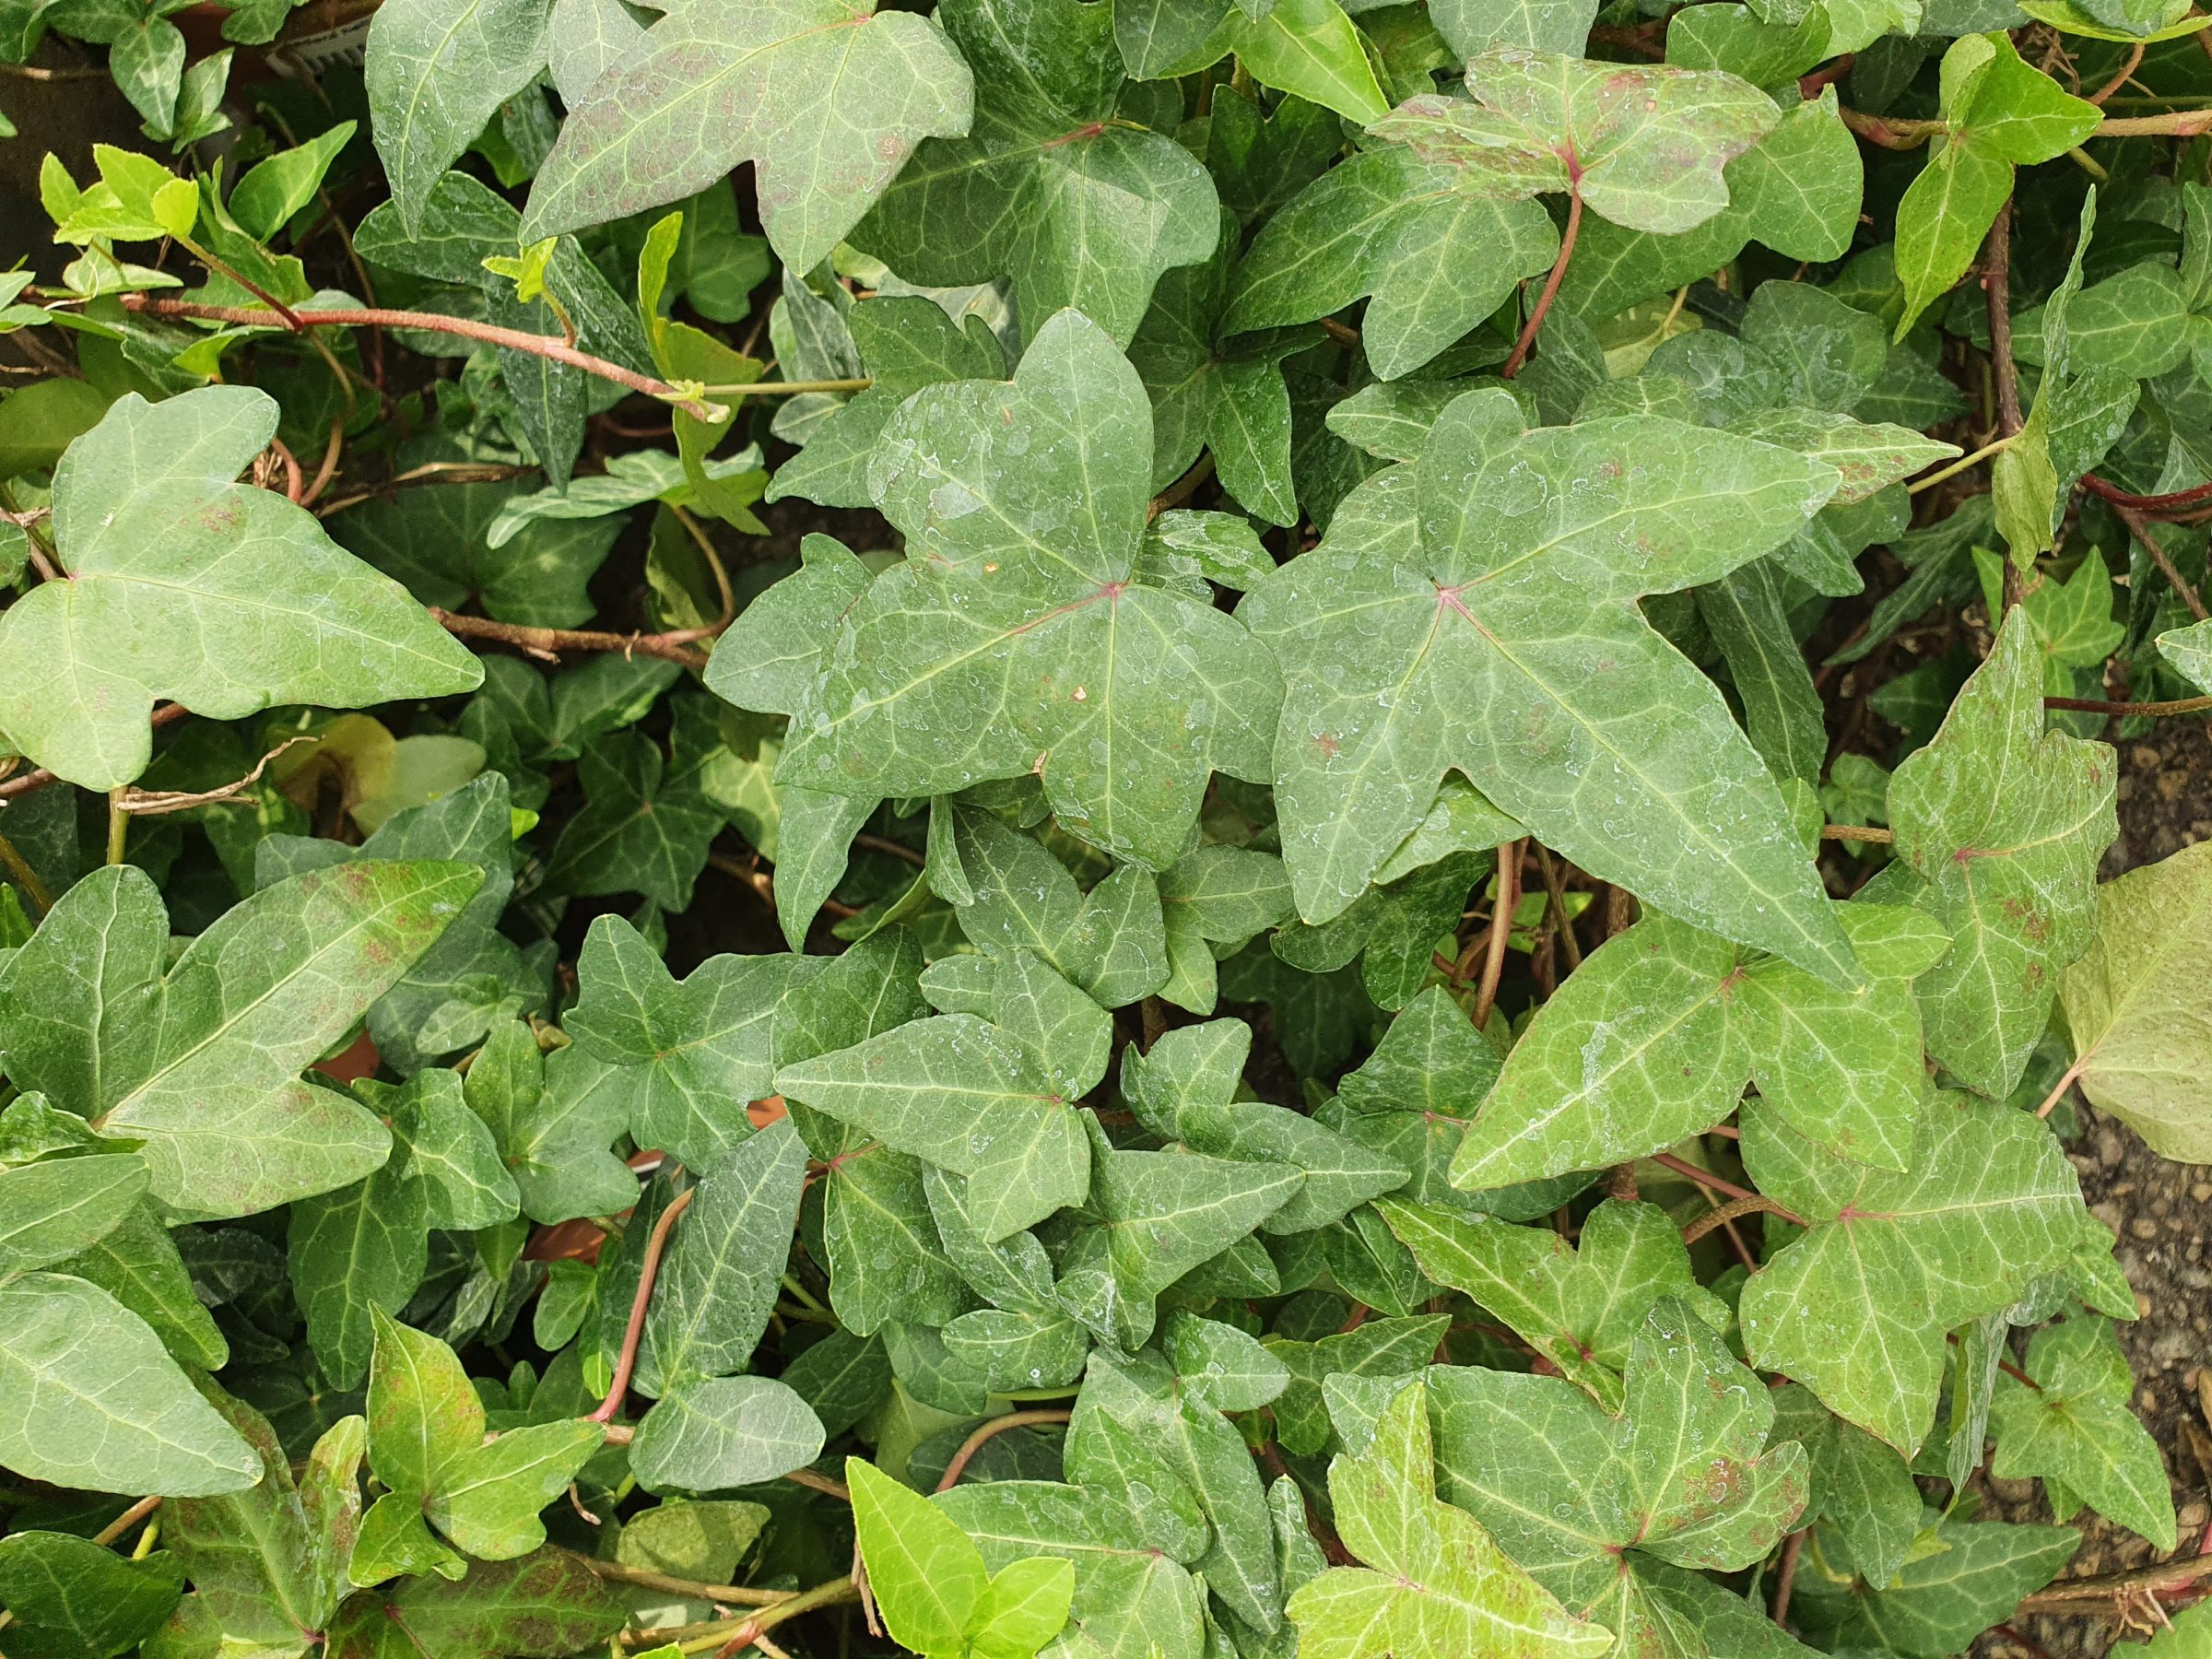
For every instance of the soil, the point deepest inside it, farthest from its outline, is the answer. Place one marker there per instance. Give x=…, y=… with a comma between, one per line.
x=2160, y=1211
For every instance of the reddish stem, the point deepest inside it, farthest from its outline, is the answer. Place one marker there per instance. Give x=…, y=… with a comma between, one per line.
x=997, y=1425
x=1721, y=1183
x=648, y=1269
x=1551, y=287
x=1502, y=930
x=514, y=339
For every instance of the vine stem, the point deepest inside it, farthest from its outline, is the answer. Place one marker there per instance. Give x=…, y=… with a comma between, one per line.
x=514, y=339
x=1502, y=930
x=19, y=871
x=1551, y=287
x=546, y=641
x=1721, y=1183
x=1857, y=832
x=2178, y=500
x=2138, y=527
x=1751, y=1203
x=2067, y=1595
x=2091, y=705
x=2066, y=1081
x=648, y=1270
x=753, y=1628
x=1963, y=464
x=1894, y=131
x=1785, y=1577
x=737, y=1595
x=1996, y=282
x=997, y=1425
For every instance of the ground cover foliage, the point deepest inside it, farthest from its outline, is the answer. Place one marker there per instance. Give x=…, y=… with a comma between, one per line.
x=1392, y=960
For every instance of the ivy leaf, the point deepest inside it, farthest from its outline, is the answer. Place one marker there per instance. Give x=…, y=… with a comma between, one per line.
x=1858, y=1306
x=265, y=991
x=2073, y=1424
x=1861, y=1488
x=1684, y=1476
x=1307, y=48
x=1644, y=146
x=1999, y=111
x=647, y=821
x=58, y=1207
x=1436, y=1581
x=1978, y=1572
x=427, y=1444
x=1601, y=513
x=1433, y=256
x=539, y=1607
x=1129, y=1596
x=2005, y=823
x=1122, y=696
x=367, y=1246
x=70, y=1596
x=905, y=343
x=719, y=1432
x=1376, y=1348
x=956, y=1092
x=1655, y=1038
x=718, y=1286
x=94, y=1401
x=554, y=1139
x=1215, y=895
x=1185, y=1090
x=826, y=97
x=1580, y=1306
x=1056, y=188
x=1160, y=1214
x=269, y=1561
x=148, y=523
x=2135, y=1025
x=681, y=1056
x=929, y=1579
x=436, y=71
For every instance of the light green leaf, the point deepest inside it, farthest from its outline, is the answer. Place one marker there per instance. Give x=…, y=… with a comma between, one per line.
x=1382, y=708
x=2131, y=1006
x=2005, y=823
x=928, y=1580
x=2074, y=1424
x=1858, y=1308
x=162, y=602
x=58, y=1207
x=956, y=1092
x=263, y=992
x=1593, y=1504
x=94, y=1401
x=1436, y=1582
x=710, y=1435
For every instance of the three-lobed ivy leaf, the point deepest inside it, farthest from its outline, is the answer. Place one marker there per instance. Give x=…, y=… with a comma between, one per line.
x=1436, y=1582
x=1601, y=1506
x=427, y=1444
x=200, y=1060
x=1054, y=188
x=1858, y=1306
x=186, y=585
x=826, y=97
x=1654, y=1037
x=2072, y=1424
x=1999, y=111
x=2004, y=823
x=436, y=71
x=1643, y=146
x=1019, y=636
x=1499, y=572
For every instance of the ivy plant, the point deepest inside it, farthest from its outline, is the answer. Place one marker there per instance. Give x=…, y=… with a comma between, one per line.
x=1106, y=828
